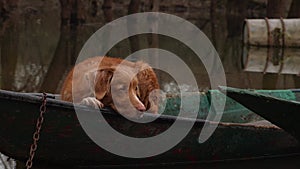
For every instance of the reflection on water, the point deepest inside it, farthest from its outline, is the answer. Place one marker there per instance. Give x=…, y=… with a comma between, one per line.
x=40, y=41
x=28, y=43
x=265, y=60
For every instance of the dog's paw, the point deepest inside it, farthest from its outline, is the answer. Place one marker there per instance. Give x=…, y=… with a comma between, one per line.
x=92, y=101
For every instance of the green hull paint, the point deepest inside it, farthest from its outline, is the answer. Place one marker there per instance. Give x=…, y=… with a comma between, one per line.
x=234, y=112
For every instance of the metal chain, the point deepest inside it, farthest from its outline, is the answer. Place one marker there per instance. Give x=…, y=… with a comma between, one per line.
x=36, y=135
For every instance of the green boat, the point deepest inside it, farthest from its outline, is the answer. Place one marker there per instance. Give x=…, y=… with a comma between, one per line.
x=238, y=137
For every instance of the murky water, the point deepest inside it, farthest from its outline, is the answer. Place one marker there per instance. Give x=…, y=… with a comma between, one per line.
x=39, y=44
x=40, y=41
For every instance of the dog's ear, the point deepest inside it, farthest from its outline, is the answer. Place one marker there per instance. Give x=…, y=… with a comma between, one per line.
x=99, y=81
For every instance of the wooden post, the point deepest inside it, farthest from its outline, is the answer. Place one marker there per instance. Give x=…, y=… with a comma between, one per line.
x=154, y=41
x=107, y=10
x=133, y=7
x=277, y=8
x=8, y=52
x=63, y=52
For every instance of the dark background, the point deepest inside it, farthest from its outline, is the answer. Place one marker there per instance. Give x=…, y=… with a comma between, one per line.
x=40, y=40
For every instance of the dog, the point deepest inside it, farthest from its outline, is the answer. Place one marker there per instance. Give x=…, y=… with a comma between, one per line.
x=105, y=81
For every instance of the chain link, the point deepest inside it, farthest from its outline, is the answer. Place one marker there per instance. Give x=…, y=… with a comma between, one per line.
x=36, y=135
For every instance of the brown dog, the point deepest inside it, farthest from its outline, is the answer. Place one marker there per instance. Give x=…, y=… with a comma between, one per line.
x=96, y=79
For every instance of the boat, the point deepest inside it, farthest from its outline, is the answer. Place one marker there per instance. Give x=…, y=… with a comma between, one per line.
x=63, y=142
x=279, y=111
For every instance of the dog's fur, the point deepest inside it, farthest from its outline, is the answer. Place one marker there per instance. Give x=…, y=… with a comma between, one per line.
x=95, y=79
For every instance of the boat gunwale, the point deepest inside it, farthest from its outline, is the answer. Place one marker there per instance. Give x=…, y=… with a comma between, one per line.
x=225, y=90
x=34, y=98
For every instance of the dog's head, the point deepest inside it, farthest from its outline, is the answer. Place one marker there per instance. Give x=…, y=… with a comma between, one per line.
x=150, y=93
x=117, y=87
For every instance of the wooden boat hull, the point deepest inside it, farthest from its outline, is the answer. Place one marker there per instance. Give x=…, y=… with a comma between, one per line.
x=280, y=162
x=281, y=112
x=64, y=142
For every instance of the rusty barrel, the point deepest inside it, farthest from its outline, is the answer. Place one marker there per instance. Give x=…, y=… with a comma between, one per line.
x=271, y=60
x=272, y=32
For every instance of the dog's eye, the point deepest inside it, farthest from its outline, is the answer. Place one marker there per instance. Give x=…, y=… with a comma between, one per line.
x=122, y=87
x=136, y=88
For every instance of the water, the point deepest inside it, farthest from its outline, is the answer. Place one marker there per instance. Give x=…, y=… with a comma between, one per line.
x=40, y=41
x=38, y=47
